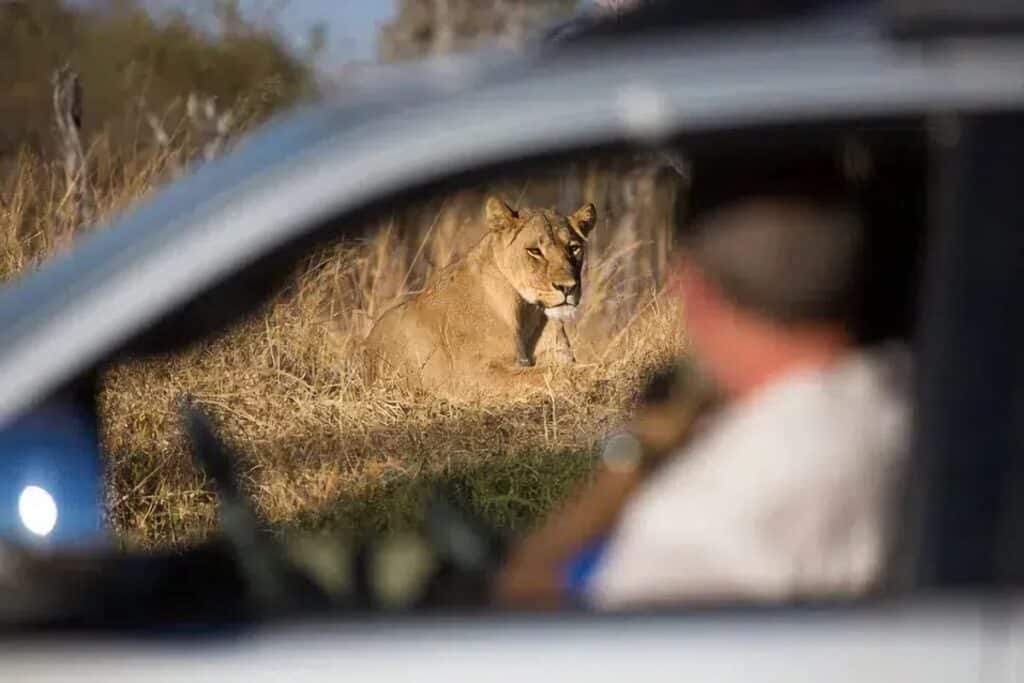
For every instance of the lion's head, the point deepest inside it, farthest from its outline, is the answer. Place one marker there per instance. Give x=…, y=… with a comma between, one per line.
x=540, y=252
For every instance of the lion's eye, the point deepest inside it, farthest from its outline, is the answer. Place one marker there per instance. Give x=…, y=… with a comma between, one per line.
x=534, y=251
x=576, y=250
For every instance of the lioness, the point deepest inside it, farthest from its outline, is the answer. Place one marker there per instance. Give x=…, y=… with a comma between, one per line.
x=476, y=325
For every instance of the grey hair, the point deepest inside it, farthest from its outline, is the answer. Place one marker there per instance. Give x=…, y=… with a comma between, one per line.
x=790, y=260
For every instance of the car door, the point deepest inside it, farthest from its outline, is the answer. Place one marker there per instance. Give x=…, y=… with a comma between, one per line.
x=969, y=261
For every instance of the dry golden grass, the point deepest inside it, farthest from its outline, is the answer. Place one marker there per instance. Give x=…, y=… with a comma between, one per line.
x=324, y=449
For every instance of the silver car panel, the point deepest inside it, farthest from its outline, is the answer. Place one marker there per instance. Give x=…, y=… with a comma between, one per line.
x=955, y=642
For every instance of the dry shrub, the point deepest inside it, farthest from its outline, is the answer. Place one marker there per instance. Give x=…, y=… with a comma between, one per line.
x=36, y=212
x=129, y=59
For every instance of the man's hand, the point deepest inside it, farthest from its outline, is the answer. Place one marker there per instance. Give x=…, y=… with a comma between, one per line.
x=532, y=576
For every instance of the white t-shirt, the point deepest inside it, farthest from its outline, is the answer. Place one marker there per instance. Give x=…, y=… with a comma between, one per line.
x=793, y=493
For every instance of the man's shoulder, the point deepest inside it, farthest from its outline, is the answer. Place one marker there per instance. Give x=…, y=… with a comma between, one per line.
x=864, y=385
x=858, y=409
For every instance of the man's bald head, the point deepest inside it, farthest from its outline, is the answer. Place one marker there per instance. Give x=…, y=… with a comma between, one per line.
x=789, y=260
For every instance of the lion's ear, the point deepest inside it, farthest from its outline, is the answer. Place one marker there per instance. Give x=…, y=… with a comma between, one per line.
x=582, y=221
x=500, y=215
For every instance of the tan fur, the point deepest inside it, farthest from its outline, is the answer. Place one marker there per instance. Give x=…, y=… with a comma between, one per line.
x=475, y=328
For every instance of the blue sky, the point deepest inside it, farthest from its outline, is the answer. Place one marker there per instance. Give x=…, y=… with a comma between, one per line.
x=352, y=24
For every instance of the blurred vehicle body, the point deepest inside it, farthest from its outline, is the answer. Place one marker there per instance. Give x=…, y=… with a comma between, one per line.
x=214, y=245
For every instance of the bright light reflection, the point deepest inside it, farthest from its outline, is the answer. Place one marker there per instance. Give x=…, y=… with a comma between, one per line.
x=38, y=510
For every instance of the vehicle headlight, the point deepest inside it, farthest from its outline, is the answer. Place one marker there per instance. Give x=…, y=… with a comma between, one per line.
x=38, y=510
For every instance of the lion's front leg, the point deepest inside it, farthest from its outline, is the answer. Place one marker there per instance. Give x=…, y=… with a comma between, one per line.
x=527, y=335
x=562, y=353
x=502, y=377
x=524, y=354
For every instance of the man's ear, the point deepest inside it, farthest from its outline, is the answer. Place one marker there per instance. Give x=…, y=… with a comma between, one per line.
x=694, y=289
x=500, y=215
x=582, y=221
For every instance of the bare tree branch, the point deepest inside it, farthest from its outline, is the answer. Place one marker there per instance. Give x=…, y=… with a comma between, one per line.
x=213, y=127
x=67, y=109
x=444, y=28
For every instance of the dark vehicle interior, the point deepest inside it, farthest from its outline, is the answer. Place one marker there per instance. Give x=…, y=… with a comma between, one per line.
x=939, y=196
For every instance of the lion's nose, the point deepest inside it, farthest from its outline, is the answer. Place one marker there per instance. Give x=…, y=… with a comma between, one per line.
x=569, y=290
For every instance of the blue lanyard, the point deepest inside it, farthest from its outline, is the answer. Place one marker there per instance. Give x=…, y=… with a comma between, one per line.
x=577, y=573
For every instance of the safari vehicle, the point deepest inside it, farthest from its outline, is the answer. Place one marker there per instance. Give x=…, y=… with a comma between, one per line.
x=936, y=96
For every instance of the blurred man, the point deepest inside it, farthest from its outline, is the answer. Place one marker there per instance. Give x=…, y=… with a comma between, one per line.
x=788, y=488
